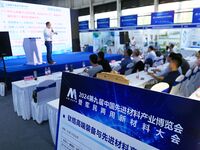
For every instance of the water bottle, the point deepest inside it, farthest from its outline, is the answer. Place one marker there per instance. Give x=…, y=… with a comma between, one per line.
x=49, y=70
x=46, y=71
x=71, y=68
x=137, y=75
x=145, y=68
x=35, y=75
x=83, y=64
x=66, y=68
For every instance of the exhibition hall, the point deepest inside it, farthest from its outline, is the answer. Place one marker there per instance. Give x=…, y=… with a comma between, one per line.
x=100, y=75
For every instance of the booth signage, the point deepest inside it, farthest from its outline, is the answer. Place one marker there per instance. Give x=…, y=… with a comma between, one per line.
x=83, y=25
x=196, y=15
x=128, y=21
x=160, y=18
x=102, y=115
x=103, y=23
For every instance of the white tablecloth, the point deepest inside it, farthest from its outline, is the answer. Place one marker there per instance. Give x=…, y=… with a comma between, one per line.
x=52, y=108
x=196, y=95
x=22, y=93
x=143, y=79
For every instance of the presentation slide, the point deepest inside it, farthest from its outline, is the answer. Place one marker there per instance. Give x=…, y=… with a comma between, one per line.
x=24, y=20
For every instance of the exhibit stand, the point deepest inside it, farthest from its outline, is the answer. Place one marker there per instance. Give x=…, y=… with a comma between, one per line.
x=33, y=50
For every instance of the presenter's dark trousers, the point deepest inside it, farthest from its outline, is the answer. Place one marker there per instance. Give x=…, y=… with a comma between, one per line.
x=48, y=45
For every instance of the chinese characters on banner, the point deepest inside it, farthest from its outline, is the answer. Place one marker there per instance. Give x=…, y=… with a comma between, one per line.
x=152, y=119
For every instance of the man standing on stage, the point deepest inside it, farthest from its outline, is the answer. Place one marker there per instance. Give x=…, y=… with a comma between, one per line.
x=48, y=33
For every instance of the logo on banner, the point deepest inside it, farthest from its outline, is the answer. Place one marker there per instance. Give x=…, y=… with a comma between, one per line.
x=71, y=95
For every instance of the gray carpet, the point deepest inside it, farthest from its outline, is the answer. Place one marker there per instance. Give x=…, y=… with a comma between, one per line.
x=17, y=134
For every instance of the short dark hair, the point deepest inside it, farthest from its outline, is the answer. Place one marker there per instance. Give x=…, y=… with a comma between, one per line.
x=47, y=23
x=180, y=55
x=171, y=45
x=129, y=52
x=93, y=58
x=101, y=55
x=199, y=51
x=158, y=53
x=151, y=47
x=176, y=57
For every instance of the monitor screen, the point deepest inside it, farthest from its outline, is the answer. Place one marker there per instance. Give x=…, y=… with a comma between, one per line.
x=5, y=47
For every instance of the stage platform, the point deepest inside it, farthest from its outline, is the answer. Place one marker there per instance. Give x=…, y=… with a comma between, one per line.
x=17, y=68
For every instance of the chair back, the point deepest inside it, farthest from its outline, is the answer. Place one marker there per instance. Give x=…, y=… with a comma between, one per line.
x=161, y=87
x=149, y=61
x=129, y=69
x=45, y=91
x=176, y=87
x=138, y=66
x=113, y=77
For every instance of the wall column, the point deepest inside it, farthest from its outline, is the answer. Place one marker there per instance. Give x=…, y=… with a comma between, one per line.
x=119, y=12
x=92, y=25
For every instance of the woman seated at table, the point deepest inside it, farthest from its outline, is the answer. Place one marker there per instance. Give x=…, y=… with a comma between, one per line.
x=96, y=68
x=126, y=60
x=136, y=56
x=103, y=62
x=174, y=64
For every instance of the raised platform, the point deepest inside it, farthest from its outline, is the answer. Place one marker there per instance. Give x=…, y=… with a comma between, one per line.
x=17, y=68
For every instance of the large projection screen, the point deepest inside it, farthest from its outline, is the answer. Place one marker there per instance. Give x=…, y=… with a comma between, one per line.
x=23, y=20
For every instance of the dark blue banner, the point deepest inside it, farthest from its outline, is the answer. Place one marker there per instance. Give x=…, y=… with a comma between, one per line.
x=156, y=119
x=128, y=21
x=196, y=15
x=160, y=18
x=83, y=25
x=103, y=23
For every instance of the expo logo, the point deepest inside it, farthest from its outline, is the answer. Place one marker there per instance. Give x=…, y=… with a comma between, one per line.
x=72, y=95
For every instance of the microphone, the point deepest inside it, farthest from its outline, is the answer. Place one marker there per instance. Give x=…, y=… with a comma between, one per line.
x=53, y=31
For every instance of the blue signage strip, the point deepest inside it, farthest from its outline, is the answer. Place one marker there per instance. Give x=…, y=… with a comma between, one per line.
x=84, y=25
x=161, y=18
x=196, y=15
x=103, y=23
x=108, y=115
x=128, y=21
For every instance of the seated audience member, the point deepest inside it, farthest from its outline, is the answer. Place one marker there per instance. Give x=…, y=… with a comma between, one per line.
x=198, y=58
x=151, y=56
x=126, y=60
x=185, y=65
x=136, y=56
x=174, y=64
x=103, y=62
x=96, y=68
x=159, y=59
x=169, y=50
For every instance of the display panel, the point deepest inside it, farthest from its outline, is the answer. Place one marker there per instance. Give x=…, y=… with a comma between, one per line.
x=24, y=20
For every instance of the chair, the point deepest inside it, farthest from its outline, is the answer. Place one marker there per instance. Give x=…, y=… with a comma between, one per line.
x=44, y=92
x=149, y=61
x=175, y=90
x=138, y=66
x=129, y=69
x=193, y=81
x=161, y=87
x=117, y=68
x=183, y=89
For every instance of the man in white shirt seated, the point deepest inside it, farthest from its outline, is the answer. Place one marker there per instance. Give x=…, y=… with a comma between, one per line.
x=151, y=56
x=96, y=68
x=48, y=34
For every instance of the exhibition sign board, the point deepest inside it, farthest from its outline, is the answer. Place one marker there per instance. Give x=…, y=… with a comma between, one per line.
x=103, y=23
x=160, y=18
x=102, y=115
x=128, y=21
x=196, y=15
x=83, y=25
